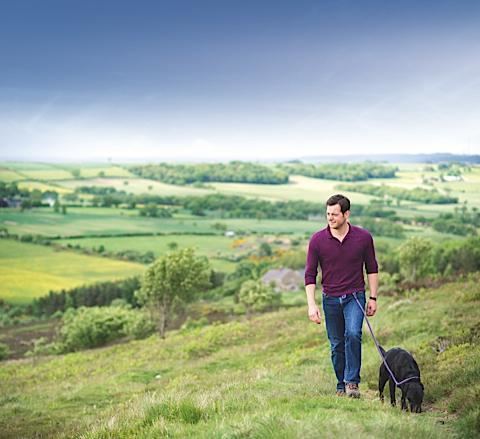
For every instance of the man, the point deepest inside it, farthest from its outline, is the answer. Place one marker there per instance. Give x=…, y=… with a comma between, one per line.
x=342, y=250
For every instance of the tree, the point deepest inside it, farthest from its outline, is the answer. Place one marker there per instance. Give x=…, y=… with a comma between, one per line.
x=172, y=245
x=265, y=249
x=256, y=296
x=416, y=258
x=174, y=277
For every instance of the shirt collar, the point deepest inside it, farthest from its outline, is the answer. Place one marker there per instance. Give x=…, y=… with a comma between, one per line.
x=330, y=236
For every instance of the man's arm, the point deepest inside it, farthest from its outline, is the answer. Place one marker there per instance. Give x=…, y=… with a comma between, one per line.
x=311, y=270
x=373, y=287
x=313, y=310
x=371, y=267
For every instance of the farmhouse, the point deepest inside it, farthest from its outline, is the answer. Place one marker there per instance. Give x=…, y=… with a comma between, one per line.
x=284, y=279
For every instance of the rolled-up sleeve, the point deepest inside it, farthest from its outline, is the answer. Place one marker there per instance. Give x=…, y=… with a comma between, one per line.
x=311, y=266
x=371, y=265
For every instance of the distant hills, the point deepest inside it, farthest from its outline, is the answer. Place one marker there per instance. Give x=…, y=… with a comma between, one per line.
x=395, y=158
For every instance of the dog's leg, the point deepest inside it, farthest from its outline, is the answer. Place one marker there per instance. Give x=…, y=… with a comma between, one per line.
x=382, y=380
x=404, y=401
x=392, y=392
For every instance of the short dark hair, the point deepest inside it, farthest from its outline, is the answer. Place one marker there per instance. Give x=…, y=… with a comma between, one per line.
x=340, y=199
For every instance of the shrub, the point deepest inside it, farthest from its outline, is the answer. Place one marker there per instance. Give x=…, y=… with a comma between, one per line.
x=4, y=351
x=91, y=327
x=41, y=346
x=256, y=296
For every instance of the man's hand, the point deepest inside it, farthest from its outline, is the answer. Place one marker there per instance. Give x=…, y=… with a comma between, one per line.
x=314, y=314
x=371, y=308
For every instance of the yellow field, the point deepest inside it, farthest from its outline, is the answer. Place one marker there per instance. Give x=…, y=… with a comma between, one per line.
x=31, y=185
x=28, y=270
x=109, y=171
x=7, y=175
x=299, y=188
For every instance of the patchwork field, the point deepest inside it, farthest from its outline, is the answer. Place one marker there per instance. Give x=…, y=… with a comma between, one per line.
x=187, y=229
x=28, y=271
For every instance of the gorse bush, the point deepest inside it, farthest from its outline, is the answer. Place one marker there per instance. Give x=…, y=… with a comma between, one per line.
x=91, y=327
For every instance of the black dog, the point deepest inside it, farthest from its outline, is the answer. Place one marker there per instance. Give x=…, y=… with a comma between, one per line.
x=403, y=366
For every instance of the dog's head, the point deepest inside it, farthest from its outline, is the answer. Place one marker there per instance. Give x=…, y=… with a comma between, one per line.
x=414, y=394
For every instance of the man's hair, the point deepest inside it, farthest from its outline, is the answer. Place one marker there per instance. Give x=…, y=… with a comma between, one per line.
x=343, y=201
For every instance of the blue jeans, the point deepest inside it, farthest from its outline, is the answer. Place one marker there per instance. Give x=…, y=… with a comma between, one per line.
x=344, y=319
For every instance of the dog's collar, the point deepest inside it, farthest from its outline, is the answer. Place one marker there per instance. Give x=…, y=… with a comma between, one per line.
x=408, y=379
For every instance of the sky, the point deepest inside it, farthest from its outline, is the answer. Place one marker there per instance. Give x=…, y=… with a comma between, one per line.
x=250, y=80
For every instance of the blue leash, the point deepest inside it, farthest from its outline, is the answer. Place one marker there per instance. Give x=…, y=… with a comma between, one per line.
x=378, y=347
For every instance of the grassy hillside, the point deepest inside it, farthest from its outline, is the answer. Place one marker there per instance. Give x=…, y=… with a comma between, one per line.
x=269, y=377
x=29, y=270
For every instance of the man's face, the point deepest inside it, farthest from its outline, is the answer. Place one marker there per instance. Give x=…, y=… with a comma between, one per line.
x=335, y=217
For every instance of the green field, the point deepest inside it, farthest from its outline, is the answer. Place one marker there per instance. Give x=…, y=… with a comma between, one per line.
x=108, y=171
x=299, y=188
x=45, y=172
x=28, y=271
x=28, y=166
x=213, y=246
x=95, y=221
x=270, y=377
x=136, y=186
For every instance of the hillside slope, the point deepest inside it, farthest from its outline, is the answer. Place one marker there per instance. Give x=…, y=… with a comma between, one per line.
x=268, y=377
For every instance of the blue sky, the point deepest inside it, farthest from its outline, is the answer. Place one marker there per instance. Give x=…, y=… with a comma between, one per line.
x=219, y=80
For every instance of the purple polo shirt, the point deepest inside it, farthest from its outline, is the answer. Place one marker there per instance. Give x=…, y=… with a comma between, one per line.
x=341, y=262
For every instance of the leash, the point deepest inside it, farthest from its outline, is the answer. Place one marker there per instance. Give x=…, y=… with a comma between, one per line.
x=378, y=347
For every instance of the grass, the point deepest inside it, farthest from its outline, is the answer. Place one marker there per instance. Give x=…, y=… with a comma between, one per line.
x=269, y=377
x=28, y=271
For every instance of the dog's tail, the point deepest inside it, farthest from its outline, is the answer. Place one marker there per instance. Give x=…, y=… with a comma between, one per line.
x=382, y=351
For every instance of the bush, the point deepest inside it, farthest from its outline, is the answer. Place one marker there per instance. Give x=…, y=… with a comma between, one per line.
x=41, y=346
x=256, y=296
x=4, y=351
x=91, y=327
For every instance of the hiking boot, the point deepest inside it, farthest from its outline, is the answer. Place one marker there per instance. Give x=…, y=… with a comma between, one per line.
x=340, y=392
x=352, y=390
